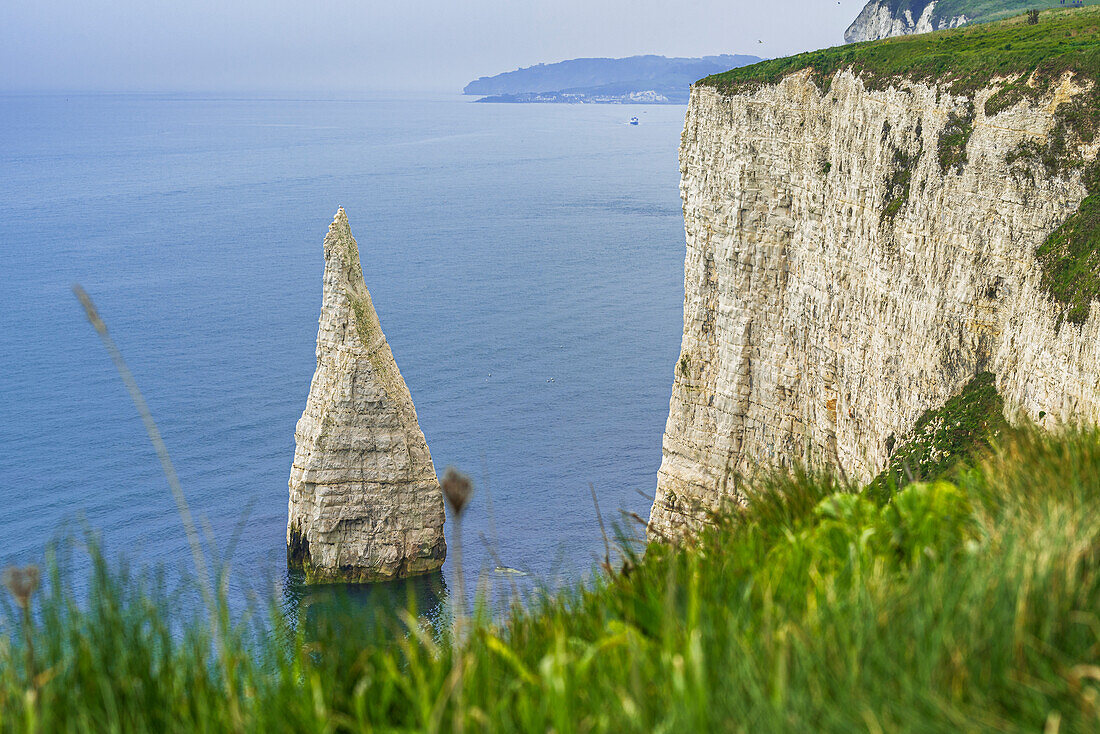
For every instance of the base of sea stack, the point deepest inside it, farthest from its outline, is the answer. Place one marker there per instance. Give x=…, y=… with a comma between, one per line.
x=365, y=503
x=385, y=565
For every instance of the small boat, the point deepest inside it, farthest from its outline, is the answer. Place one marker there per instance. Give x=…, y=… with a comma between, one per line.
x=633, y=120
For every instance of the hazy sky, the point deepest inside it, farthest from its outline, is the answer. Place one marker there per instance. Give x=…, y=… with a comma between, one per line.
x=343, y=45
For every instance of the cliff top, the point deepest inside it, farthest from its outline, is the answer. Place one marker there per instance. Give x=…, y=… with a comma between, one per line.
x=974, y=11
x=967, y=58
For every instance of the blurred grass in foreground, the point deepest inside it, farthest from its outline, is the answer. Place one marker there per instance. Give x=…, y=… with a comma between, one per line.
x=964, y=606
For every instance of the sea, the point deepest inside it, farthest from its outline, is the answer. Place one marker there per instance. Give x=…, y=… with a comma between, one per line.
x=526, y=263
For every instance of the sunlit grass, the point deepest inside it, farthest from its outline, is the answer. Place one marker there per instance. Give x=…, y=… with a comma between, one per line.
x=965, y=59
x=965, y=606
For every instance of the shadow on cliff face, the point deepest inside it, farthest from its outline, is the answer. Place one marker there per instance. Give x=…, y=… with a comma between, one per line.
x=366, y=608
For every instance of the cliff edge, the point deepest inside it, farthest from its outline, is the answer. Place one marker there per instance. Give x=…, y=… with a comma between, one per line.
x=867, y=233
x=886, y=18
x=365, y=504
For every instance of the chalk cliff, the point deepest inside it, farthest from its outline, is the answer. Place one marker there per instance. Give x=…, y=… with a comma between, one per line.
x=886, y=18
x=365, y=504
x=855, y=256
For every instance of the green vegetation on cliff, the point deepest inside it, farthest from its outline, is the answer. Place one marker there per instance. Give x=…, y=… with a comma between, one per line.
x=967, y=58
x=975, y=11
x=899, y=178
x=980, y=11
x=1070, y=257
x=958, y=432
x=951, y=145
x=965, y=606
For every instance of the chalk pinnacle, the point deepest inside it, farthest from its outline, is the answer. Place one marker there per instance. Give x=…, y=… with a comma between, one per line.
x=365, y=504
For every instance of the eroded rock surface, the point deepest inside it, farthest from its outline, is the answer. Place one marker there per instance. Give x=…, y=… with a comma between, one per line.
x=840, y=280
x=887, y=18
x=365, y=504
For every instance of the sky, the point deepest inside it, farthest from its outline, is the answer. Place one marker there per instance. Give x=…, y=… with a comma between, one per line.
x=366, y=45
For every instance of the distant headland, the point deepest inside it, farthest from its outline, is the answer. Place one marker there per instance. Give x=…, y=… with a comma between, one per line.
x=634, y=80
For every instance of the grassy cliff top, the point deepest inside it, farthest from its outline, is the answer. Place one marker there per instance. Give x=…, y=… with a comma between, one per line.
x=975, y=11
x=967, y=57
x=986, y=10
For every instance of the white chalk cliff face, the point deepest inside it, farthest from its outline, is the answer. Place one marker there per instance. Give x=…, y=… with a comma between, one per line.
x=365, y=504
x=887, y=18
x=818, y=323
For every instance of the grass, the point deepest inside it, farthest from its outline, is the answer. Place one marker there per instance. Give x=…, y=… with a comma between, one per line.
x=974, y=10
x=1025, y=61
x=1070, y=257
x=965, y=59
x=987, y=10
x=968, y=606
x=898, y=182
x=960, y=430
x=951, y=145
x=1071, y=262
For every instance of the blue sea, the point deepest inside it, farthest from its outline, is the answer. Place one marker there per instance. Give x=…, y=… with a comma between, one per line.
x=526, y=262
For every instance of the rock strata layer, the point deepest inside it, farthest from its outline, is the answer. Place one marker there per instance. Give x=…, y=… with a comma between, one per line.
x=365, y=504
x=840, y=279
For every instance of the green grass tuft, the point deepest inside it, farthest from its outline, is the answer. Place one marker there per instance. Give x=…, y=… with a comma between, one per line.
x=1070, y=260
x=965, y=606
x=964, y=59
x=952, y=141
x=898, y=182
x=959, y=432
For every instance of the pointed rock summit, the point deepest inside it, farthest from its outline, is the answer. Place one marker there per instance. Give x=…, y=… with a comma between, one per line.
x=365, y=504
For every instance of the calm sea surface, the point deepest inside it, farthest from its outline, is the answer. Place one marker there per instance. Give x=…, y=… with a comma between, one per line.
x=526, y=262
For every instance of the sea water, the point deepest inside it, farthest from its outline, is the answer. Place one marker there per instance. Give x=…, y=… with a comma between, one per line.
x=526, y=263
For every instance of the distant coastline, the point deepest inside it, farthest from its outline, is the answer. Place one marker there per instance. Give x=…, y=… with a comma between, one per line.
x=649, y=96
x=633, y=80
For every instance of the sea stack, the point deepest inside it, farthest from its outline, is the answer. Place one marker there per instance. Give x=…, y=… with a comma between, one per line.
x=365, y=504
